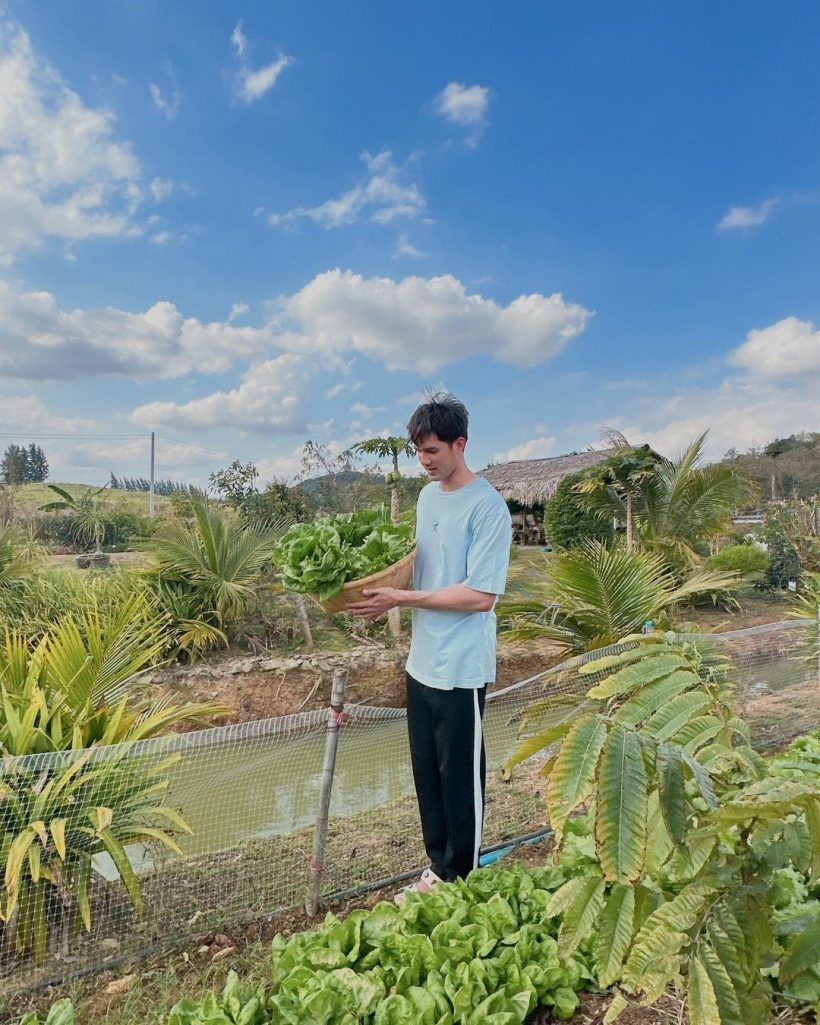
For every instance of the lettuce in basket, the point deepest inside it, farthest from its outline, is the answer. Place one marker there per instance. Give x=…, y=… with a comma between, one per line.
x=319, y=557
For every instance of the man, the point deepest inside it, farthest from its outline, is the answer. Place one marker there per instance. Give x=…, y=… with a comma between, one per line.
x=463, y=533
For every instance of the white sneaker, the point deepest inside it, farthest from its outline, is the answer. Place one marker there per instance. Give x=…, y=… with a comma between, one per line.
x=424, y=884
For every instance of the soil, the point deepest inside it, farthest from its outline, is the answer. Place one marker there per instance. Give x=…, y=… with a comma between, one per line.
x=265, y=686
x=267, y=683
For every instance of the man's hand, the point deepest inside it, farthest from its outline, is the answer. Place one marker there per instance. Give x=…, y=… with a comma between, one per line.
x=378, y=600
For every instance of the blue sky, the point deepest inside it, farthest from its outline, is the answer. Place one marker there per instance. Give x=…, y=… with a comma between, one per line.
x=246, y=225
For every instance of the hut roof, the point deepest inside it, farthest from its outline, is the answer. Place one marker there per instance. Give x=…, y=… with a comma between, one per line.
x=529, y=481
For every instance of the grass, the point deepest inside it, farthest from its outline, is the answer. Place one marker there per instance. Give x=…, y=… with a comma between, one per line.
x=28, y=498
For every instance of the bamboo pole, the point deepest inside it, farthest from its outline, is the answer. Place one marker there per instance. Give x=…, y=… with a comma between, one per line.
x=335, y=717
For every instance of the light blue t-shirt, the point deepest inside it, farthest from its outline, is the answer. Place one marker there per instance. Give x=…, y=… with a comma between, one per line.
x=462, y=537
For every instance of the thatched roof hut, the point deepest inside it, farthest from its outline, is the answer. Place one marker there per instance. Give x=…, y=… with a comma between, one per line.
x=532, y=481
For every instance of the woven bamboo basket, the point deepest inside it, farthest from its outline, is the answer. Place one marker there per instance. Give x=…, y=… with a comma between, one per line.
x=400, y=574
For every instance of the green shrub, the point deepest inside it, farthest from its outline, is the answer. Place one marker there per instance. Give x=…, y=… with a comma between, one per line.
x=746, y=559
x=39, y=601
x=119, y=530
x=568, y=523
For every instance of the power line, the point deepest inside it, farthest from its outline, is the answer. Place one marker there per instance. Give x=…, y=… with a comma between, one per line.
x=77, y=437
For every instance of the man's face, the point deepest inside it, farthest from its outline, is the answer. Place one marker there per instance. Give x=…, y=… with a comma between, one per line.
x=438, y=458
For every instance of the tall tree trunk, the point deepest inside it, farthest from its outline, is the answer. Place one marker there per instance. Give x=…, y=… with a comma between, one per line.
x=629, y=539
x=304, y=621
x=394, y=615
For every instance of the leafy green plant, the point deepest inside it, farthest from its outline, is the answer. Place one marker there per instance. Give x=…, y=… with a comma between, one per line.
x=88, y=512
x=19, y=554
x=779, y=535
x=591, y=596
x=567, y=520
x=478, y=952
x=60, y=1013
x=690, y=827
x=64, y=700
x=320, y=557
x=746, y=559
x=208, y=572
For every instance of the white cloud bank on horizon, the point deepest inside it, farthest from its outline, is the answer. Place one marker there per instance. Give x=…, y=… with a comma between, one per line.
x=62, y=173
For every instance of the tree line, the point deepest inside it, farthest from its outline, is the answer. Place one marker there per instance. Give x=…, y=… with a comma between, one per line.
x=161, y=487
x=24, y=464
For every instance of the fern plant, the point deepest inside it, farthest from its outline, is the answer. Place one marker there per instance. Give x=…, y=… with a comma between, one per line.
x=686, y=817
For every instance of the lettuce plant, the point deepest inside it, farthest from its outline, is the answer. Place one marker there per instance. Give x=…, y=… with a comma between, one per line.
x=320, y=557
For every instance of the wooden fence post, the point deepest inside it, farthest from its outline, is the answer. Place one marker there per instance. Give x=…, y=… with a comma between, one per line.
x=335, y=717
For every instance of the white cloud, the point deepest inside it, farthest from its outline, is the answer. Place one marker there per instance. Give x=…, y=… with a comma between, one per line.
x=40, y=341
x=269, y=400
x=166, y=102
x=252, y=83
x=161, y=188
x=28, y=413
x=738, y=413
x=383, y=197
x=747, y=216
x=787, y=348
x=363, y=410
x=238, y=310
x=465, y=106
x=404, y=247
x=162, y=238
x=62, y=174
x=239, y=40
x=286, y=467
x=422, y=324
x=535, y=448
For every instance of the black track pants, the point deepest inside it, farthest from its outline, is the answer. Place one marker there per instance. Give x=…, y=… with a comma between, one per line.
x=449, y=767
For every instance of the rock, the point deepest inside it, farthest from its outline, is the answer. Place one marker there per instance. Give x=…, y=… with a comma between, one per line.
x=222, y=939
x=220, y=955
x=109, y=945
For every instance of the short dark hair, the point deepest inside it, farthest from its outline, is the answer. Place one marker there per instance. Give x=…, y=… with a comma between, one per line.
x=443, y=415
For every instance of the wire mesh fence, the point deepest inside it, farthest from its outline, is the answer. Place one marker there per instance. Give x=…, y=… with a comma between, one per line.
x=90, y=881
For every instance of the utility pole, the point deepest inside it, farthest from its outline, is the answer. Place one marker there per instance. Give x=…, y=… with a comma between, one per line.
x=151, y=488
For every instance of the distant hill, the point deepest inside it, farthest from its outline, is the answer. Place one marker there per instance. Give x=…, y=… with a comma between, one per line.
x=785, y=468
x=355, y=489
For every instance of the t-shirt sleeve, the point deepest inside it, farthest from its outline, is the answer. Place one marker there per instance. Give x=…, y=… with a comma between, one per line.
x=488, y=554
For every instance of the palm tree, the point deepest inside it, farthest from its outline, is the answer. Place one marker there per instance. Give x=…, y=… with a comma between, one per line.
x=593, y=596
x=220, y=557
x=670, y=504
x=613, y=488
x=684, y=503
x=88, y=512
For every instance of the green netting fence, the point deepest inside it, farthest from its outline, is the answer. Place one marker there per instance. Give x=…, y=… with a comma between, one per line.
x=250, y=793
